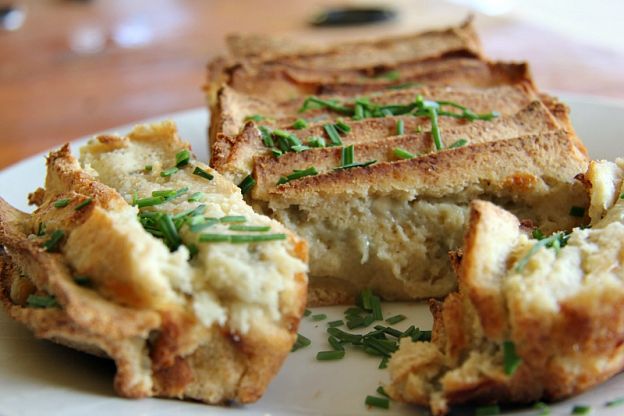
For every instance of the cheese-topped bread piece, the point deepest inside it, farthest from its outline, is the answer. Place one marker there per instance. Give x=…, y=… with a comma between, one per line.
x=141, y=253
x=537, y=317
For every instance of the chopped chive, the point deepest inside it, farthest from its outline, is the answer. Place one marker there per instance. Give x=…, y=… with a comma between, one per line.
x=318, y=317
x=392, y=75
x=61, y=203
x=576, y=211
x=487, y=410
x=182, y=158
x=365, y=299
x=383, y=363
x=622, y=196
x=345, y=336
x=333, y=135
x=233, y=218
x=276, y=152
x=254, y=117
x=616, y=402
x=51, y=245
x=149, y=201
x=170, y=231
x=435, y=128
x=82, y=280
x=236, y=227
x=356, y=165
x=581, y=410
x=312, y=103
x=511, y=360
x=403, y=86
x=333, y=324
x=300, y=342
x=202, y=173
x=330, y=355
x=400, y=127
x=41, y=229
x=168, y=172
x=83, y=204
x=538, y=234
x=354, y=310
x=316, y=141
x=297, y=174
x=386, y=112
x=335, y=343
x=395, y=319
x=196, y=197
x=543, y=408
x=42, y=301
x=199, y=226
x=193, y=250
x=240, y=238
x=403, y=154
x=148, y=168
x=458, y=143
x=381, y=402
x=299, y=148
x=358, y=113
x=300, y=124
x=381, y=391
x=307, y=312
x=557, y=240
x=342, y=127
x=267, y=140
x=247, y=183
x=348, y=153
x=376, y=307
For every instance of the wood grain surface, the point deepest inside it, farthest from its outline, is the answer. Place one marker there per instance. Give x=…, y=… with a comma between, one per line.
x=77, y=67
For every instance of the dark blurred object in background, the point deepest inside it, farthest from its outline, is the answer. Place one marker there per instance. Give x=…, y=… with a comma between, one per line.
x=352, y=16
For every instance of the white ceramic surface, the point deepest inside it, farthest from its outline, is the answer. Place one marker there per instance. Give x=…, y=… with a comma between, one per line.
x=40, y=378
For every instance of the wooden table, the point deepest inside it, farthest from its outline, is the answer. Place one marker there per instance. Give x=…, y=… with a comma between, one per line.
x=76, y=67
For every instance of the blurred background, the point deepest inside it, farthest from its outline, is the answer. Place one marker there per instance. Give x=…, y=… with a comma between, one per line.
x=70, y=68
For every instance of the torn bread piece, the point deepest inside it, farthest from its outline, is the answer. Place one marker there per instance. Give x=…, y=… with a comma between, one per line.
x=534, y=319
x=145, y=255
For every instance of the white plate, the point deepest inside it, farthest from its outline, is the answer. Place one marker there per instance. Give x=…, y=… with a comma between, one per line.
x=40, y=378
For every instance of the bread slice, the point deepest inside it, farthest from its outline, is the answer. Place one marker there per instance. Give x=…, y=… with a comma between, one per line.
x=529, y=322
x=208, y=321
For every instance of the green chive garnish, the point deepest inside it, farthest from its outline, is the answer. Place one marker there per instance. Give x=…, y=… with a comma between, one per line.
x=182, y=158
x=297, y=174
x=168, y=172
x=42, y=301
x=150, y=201
x=576, y=211
x=148, y=168
x=254, y=117
x=301, y=342
x=83, y=204
x=380, y=390
x=395, y=319
x=247, y=183
x=41, y=229
x=356, y=165
x=403, y=86
x=61, y=203
x=307, y=312
x=383, y=363
x=333, y=135
x=400, y=127
x=196, y=197
x=52, y=244
x=487, y=410
x=316, y=141
x=267, y=140
x=312, y=103
x=335, y=343
x=392, y=75
x=543, y=408
x=250, y=227
x=82, y=280
x=435, y=128
x=376, y=307
x=203, y=223
x=348, y=153
x=342, y=127
x=170, y=232
x=300, y=124
x=557, y=240
x=403, y=154
x=581, y=409
x=200, y=172
x=333, y=324
x=358, y=113
x=616, y=402
x=622, y=196
x=233, y=218
x=240, y=238
x=381, y=402
x=458, y=143
x=329, y=355
x=318, y=317
x=511, y=361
